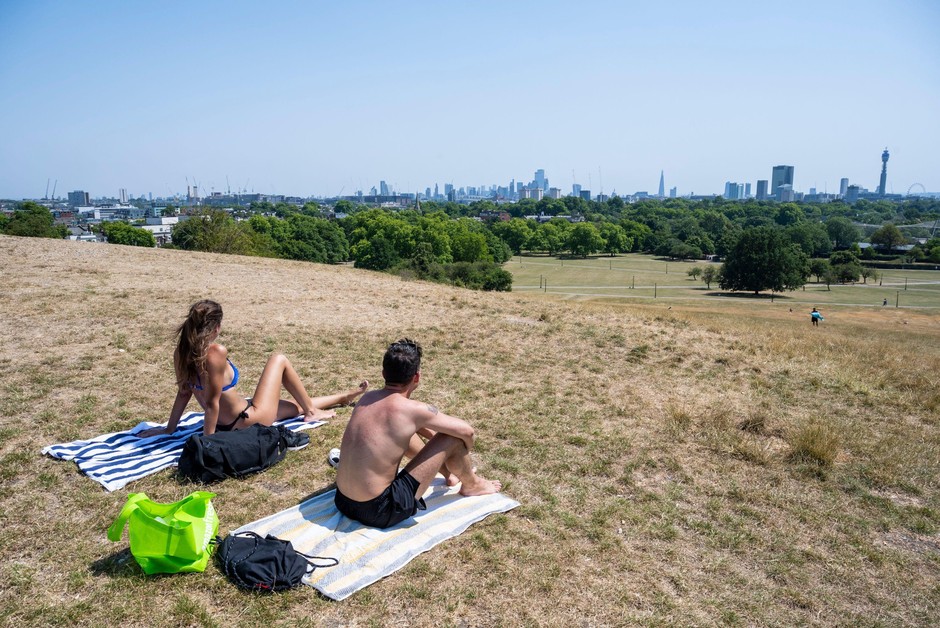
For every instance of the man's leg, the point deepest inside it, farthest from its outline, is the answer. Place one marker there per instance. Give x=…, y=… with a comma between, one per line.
x=450, y=452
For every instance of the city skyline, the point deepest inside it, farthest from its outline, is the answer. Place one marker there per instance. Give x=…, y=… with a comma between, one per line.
x=325, y=100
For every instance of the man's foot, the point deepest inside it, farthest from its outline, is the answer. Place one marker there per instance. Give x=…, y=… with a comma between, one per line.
x=350, y=397
x=481, y=486
x=453, y=480
x=319, y=415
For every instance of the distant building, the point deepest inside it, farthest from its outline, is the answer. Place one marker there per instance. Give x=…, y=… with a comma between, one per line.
x=576, y=190
x=673, y=192
x=554, y=192
x=884, y=173
x=662, y=185
x=383, y=188
x=843, y=187
x=785, y=193
x=781, y=175
x=585, y=194
x=851, y=193
x=747, y=190
x=762, y=189
x=79, y=198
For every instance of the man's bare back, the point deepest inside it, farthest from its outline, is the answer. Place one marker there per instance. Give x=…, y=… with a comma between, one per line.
x=385, y=426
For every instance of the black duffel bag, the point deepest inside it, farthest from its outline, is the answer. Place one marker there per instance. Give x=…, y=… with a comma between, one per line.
x=237, y=453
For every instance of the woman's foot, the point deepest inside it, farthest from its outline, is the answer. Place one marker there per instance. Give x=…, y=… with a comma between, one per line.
x=351, y=396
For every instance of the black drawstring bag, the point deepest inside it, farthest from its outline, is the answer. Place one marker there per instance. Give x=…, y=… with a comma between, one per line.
x=266, y=563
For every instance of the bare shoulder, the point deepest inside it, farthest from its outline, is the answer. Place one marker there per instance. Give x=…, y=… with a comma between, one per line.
x=216, y=352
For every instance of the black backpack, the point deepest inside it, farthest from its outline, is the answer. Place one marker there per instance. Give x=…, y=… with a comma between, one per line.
x=237, y=453
x=266, y=563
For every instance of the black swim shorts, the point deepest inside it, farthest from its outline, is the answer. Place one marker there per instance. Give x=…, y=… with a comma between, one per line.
x=395, y=504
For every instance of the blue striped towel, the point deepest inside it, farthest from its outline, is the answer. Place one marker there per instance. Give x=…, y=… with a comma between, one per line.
x=115, y=459
x=367, y=554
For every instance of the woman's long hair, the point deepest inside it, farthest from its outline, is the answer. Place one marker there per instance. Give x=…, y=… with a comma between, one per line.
x=190, y=355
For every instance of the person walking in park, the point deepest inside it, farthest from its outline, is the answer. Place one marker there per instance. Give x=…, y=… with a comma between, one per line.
x=816, y=316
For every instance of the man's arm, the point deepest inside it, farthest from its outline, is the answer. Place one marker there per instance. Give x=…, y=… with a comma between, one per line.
x=428, y=417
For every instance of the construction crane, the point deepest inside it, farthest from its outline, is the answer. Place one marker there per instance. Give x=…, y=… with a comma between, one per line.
x=228, y=186
x=46, y=197
x=54, y=185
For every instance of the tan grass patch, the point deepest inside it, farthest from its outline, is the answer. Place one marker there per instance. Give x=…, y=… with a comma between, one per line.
x=646, y=446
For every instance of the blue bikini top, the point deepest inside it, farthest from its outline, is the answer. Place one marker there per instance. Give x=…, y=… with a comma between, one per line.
x=198, y=385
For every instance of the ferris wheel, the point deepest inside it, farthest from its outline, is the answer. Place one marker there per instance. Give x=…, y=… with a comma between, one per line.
x=923, y=190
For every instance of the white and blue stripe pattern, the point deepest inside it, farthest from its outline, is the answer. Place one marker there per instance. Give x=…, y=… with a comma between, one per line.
x=115, y=459
x=367, y=554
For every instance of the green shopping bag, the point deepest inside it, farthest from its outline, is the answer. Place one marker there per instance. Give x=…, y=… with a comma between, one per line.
x=168, y=538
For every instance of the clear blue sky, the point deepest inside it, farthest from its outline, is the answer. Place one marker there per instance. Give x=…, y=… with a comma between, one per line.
x=316, y=97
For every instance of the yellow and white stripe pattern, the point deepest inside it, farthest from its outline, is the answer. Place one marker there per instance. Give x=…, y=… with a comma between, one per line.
x=367, y=554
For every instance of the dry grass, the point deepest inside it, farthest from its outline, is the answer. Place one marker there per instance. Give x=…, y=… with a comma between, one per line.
x=653, y=450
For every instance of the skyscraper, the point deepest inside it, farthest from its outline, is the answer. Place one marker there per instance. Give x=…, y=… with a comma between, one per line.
x=843, y=187
x=884, y=172
x=781, y=175
x=662, y=185
x=540, y=179
x=383, y=188
x=762, y=189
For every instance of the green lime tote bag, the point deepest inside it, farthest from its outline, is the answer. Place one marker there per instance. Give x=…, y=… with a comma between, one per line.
x=168, y=538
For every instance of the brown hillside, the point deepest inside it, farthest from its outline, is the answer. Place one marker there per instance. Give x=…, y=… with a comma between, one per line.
x=686, y=467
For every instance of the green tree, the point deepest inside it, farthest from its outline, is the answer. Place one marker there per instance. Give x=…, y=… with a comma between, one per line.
x=584, y=239
x=34, y=221
x=845, y=266
x=615, y=238
x=212, y=230
x=694, y=272
x=818, y=267
x=379, y=253
x=869, y=273
x=514, y=232
x=888, y=236
x=812, y=237
x=842, y=232
x=118, y=232
x=763, y=259
x=710, y=274
x=789, y=214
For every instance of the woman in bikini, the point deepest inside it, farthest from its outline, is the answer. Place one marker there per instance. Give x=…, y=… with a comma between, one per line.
x=204, y=370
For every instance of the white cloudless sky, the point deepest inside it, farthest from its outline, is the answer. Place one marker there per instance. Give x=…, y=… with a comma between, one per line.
x=322, y=98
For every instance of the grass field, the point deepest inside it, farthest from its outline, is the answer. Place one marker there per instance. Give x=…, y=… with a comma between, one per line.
x=642, y=277
x=695, y=460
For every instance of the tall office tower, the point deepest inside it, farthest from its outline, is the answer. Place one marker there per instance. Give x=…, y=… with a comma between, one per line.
x=843, y=187
x=123, y=196
x=540, y=179
x=383, y=188
x=727, y=193
x=449, y=190
x=427, y=193
x=576, y=190
x=79, y=198
x=884, y=173
x=762, y=189
x=673, y=192
x=436, y=191
x=662, y=185
x=747, y=190
x=781, y=175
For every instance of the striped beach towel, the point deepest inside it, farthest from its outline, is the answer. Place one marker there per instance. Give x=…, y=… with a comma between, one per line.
x=367, y=554
x=115, y=459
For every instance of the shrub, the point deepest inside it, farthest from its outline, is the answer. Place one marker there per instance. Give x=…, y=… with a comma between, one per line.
x=816, y=443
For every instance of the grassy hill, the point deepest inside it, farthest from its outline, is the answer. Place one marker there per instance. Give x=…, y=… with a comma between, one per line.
x=677, y=463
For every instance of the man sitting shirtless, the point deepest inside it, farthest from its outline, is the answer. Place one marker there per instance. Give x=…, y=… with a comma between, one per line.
x=385, y=426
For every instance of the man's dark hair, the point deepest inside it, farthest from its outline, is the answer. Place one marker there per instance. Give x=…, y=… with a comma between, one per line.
x=402, y=360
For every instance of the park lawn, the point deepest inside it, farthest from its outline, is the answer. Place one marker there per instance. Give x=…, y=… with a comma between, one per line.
x=644, y=277
x=718, y=462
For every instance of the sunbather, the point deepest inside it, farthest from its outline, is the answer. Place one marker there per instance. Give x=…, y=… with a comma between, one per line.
x=204, y=370
x=387, y=425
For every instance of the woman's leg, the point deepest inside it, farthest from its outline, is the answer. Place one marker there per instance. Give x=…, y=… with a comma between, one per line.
x=267, y=405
